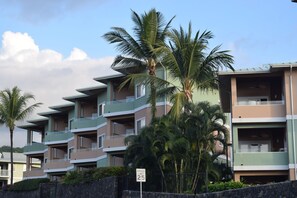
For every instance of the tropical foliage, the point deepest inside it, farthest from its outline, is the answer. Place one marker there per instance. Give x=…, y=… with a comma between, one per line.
x=187, y=146
x=14, y=106
x=189, y=63
x=139, y=53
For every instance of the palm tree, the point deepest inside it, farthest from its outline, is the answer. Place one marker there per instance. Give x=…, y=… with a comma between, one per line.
x=203, y=127
x=188, y=62
x=14, y=107
x=150, y=30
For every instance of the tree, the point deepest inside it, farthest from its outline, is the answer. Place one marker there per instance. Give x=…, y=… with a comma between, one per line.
x=203, y=126
x=183, y=149
x=188, y=62
x=14, y=107
x=150, y=30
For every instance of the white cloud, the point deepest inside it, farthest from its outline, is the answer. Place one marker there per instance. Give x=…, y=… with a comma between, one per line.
x=77, y=54
x=44, y=72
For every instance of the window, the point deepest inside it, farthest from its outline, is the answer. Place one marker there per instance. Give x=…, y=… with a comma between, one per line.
x=140, y=124
x=70, y=151
x=100, y=109
x=101, y=141
x=140, y=90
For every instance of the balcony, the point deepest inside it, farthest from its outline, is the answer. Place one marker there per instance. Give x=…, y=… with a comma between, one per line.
x=126, y=105
x=35, y=147
x=34, y=173
x=53, y=165
x=60, y=137
x=87, y=122
x=259, y=109
x=260, y=159
x=258, y=97
x=86, y=154
x=3, y=173
x=117, y=140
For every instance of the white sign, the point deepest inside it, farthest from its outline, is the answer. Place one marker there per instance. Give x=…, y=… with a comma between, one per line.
x=140, y=175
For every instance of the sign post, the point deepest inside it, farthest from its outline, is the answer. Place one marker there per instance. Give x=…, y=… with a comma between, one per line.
x=140, y=177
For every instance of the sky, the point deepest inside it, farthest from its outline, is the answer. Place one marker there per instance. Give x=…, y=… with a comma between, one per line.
x=51, y=48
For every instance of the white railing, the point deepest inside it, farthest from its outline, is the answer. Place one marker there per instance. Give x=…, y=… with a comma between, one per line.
x=4, y=173
x=253, y=102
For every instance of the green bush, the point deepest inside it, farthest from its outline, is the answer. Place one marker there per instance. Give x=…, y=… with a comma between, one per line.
x=75, y=177
x=221, y=186
x=28, y=184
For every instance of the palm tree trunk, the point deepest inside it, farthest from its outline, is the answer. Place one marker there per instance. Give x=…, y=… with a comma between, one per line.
x=153, y=101
x=11, y=156
x=152, y=72
x=196, y=175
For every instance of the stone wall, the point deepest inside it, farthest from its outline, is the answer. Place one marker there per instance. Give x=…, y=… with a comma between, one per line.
x=106, y=188
x=284, y=189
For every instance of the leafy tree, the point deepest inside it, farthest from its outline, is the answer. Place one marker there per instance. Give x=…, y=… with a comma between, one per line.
x=203, y=126
x=150, y=30
x=190, y=65
x=14, y=107
x=186, y=146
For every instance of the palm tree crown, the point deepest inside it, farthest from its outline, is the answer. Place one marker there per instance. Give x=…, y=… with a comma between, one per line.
x=188, y=63
x=139, y=53
x=14, y=107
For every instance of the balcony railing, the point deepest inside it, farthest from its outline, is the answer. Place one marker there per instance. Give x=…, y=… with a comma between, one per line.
x=35, y=147
x=3, y=173
x=56, y=164
x=84, y=149
x=87, y=122
x=34, y=172
x=253, y=102
x=261, y=158
x=57, y=136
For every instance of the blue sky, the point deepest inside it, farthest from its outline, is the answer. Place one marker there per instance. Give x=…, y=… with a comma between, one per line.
x=257, y=32
x=51, y=48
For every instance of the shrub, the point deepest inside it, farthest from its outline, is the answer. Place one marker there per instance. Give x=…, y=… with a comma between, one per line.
x=221, y=186
x=75, y=177
x=108, y=172
x=28, y=184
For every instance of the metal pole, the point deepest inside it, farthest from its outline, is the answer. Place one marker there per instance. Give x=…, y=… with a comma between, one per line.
x=140, y=189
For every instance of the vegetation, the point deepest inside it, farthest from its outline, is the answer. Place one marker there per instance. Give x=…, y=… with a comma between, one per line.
x=75, y=177
x=186, y=147
x=14, y=107
x=191, y=66
x=183, y=142
x=28, y=184
x=221, y=186
x=150, y=30
x=7, y=149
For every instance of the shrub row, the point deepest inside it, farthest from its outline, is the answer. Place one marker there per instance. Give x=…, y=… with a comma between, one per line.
x=28, y=184
x=75, y=177
x=221, y=186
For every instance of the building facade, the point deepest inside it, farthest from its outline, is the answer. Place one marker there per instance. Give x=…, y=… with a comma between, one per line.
x=263, y=107
x=19, y=165
x=89, y=130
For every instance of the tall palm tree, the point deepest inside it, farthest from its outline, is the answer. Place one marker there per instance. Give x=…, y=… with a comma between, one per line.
x=14, y=107
x=203, y=127
x=150, y=30
x=189, y=63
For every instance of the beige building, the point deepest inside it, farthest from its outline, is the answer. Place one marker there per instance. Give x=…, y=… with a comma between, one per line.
x=263, y=107
x=19, y=165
